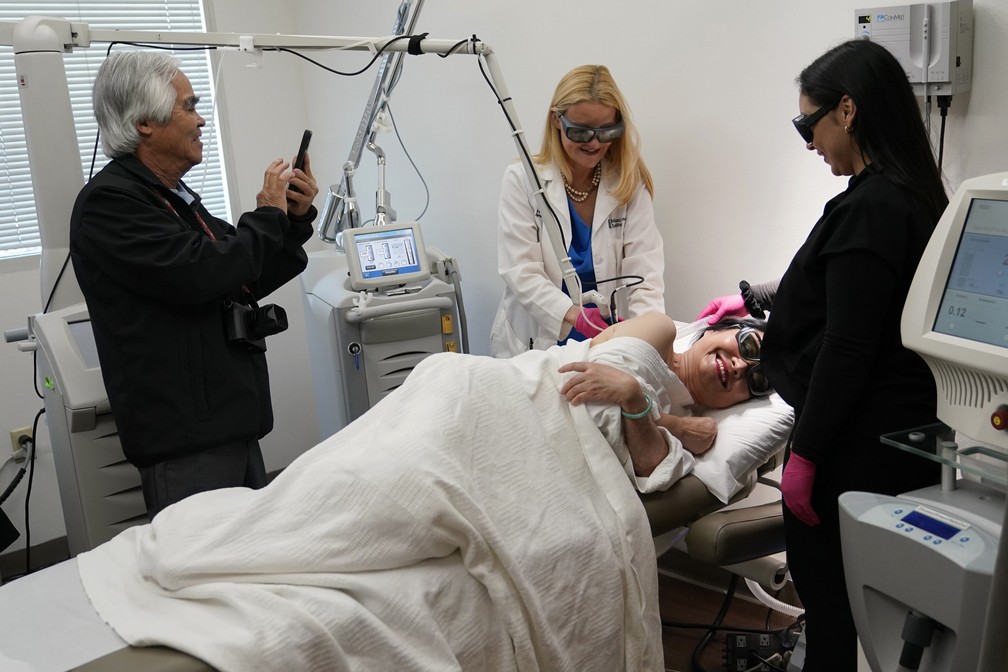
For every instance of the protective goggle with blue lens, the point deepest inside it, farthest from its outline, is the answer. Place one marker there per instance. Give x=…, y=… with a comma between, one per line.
x=583, y=134
x=749, y=345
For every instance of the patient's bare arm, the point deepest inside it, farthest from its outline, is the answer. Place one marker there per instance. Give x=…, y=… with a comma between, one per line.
x=646, y=444
x=657, y=329
x=697, y=434
x=606, y=384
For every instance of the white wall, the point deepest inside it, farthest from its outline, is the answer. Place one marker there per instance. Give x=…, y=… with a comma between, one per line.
x=711, y=86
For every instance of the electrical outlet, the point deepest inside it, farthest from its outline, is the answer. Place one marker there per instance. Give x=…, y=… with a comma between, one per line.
x=16, y=435
x=762, y=652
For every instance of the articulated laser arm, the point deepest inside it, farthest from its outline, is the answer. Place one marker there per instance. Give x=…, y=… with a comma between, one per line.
x=340, y=206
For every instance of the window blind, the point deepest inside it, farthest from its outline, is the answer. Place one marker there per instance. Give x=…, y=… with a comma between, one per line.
x=19, y=234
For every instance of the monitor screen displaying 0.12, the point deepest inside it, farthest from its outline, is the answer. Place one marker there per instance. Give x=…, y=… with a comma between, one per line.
x=974, y=304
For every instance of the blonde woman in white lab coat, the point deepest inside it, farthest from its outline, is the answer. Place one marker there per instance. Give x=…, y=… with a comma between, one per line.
x=601, y=191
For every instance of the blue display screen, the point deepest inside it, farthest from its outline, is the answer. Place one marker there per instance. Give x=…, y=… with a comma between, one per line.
x=929, y=524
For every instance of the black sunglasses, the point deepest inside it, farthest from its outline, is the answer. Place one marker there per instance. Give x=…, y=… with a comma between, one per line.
x=582, y=134
x=803, y=123
x=749, y=346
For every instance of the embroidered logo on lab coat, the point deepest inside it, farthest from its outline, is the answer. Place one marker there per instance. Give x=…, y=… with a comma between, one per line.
x=616, y=222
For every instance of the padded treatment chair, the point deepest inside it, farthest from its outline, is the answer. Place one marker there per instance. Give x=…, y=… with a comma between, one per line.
x=148, y=659
x=684, y=503
x=737, y=535
x=715, y=535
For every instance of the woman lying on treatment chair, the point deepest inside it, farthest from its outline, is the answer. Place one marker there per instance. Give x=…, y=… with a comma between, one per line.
x=479, y=517
x=720, y=369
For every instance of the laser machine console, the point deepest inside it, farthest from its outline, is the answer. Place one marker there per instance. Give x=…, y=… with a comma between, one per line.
x=926, y=570
x=373, y=314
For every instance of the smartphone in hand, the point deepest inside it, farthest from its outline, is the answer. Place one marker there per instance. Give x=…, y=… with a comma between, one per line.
x=299, y=159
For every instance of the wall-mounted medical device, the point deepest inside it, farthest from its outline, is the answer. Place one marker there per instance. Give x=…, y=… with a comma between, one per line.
x=933, y=41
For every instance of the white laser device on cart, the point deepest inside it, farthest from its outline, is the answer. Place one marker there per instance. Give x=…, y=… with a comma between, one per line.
x=926, y=571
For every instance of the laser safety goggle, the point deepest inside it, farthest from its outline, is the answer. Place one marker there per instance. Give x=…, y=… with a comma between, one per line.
x=749, y=345
x=803, y=123
x=583, y=134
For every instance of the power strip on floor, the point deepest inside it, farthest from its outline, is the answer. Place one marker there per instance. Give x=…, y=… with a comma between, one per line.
x=756, y=652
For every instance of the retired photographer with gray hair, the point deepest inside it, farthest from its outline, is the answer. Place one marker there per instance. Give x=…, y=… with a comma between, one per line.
x=172, y=290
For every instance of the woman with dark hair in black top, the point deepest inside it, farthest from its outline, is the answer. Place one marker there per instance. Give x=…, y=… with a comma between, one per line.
x=832, y=346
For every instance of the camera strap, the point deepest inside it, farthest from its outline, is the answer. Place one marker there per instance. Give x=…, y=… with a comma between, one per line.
x=206, y=229
x=210, y=235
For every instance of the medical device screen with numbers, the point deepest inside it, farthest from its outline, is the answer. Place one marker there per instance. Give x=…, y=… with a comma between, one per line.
x=975, y=302
x=382, y=256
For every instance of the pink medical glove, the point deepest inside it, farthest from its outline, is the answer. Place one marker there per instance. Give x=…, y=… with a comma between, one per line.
x=724, y=306
x=796, y=488
x=594, y=325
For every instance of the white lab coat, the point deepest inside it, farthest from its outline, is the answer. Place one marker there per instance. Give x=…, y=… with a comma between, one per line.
x=625, y=241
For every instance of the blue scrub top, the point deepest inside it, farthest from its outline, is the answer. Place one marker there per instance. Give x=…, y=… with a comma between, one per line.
x=580, y=253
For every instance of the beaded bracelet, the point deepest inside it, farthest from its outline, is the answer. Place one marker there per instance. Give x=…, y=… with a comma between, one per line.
x=638, y=416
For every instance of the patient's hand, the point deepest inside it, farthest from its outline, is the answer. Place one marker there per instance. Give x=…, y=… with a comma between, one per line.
x=600, y=383
x=697, y=434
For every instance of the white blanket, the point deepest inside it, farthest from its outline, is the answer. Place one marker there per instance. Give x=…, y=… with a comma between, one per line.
x=473, y=520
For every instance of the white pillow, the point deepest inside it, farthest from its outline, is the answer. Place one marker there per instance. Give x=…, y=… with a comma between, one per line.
x=748, y=435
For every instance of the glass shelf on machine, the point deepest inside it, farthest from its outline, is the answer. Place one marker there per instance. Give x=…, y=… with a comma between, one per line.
x=941, y=443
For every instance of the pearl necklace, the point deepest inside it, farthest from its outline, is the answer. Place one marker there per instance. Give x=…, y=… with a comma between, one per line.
x=580, y=196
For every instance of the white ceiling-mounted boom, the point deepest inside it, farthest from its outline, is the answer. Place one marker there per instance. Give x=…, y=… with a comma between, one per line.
x=39, y=43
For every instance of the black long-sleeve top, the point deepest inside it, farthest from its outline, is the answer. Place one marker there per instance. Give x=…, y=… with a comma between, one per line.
x=832, y=347
x=156, y=285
